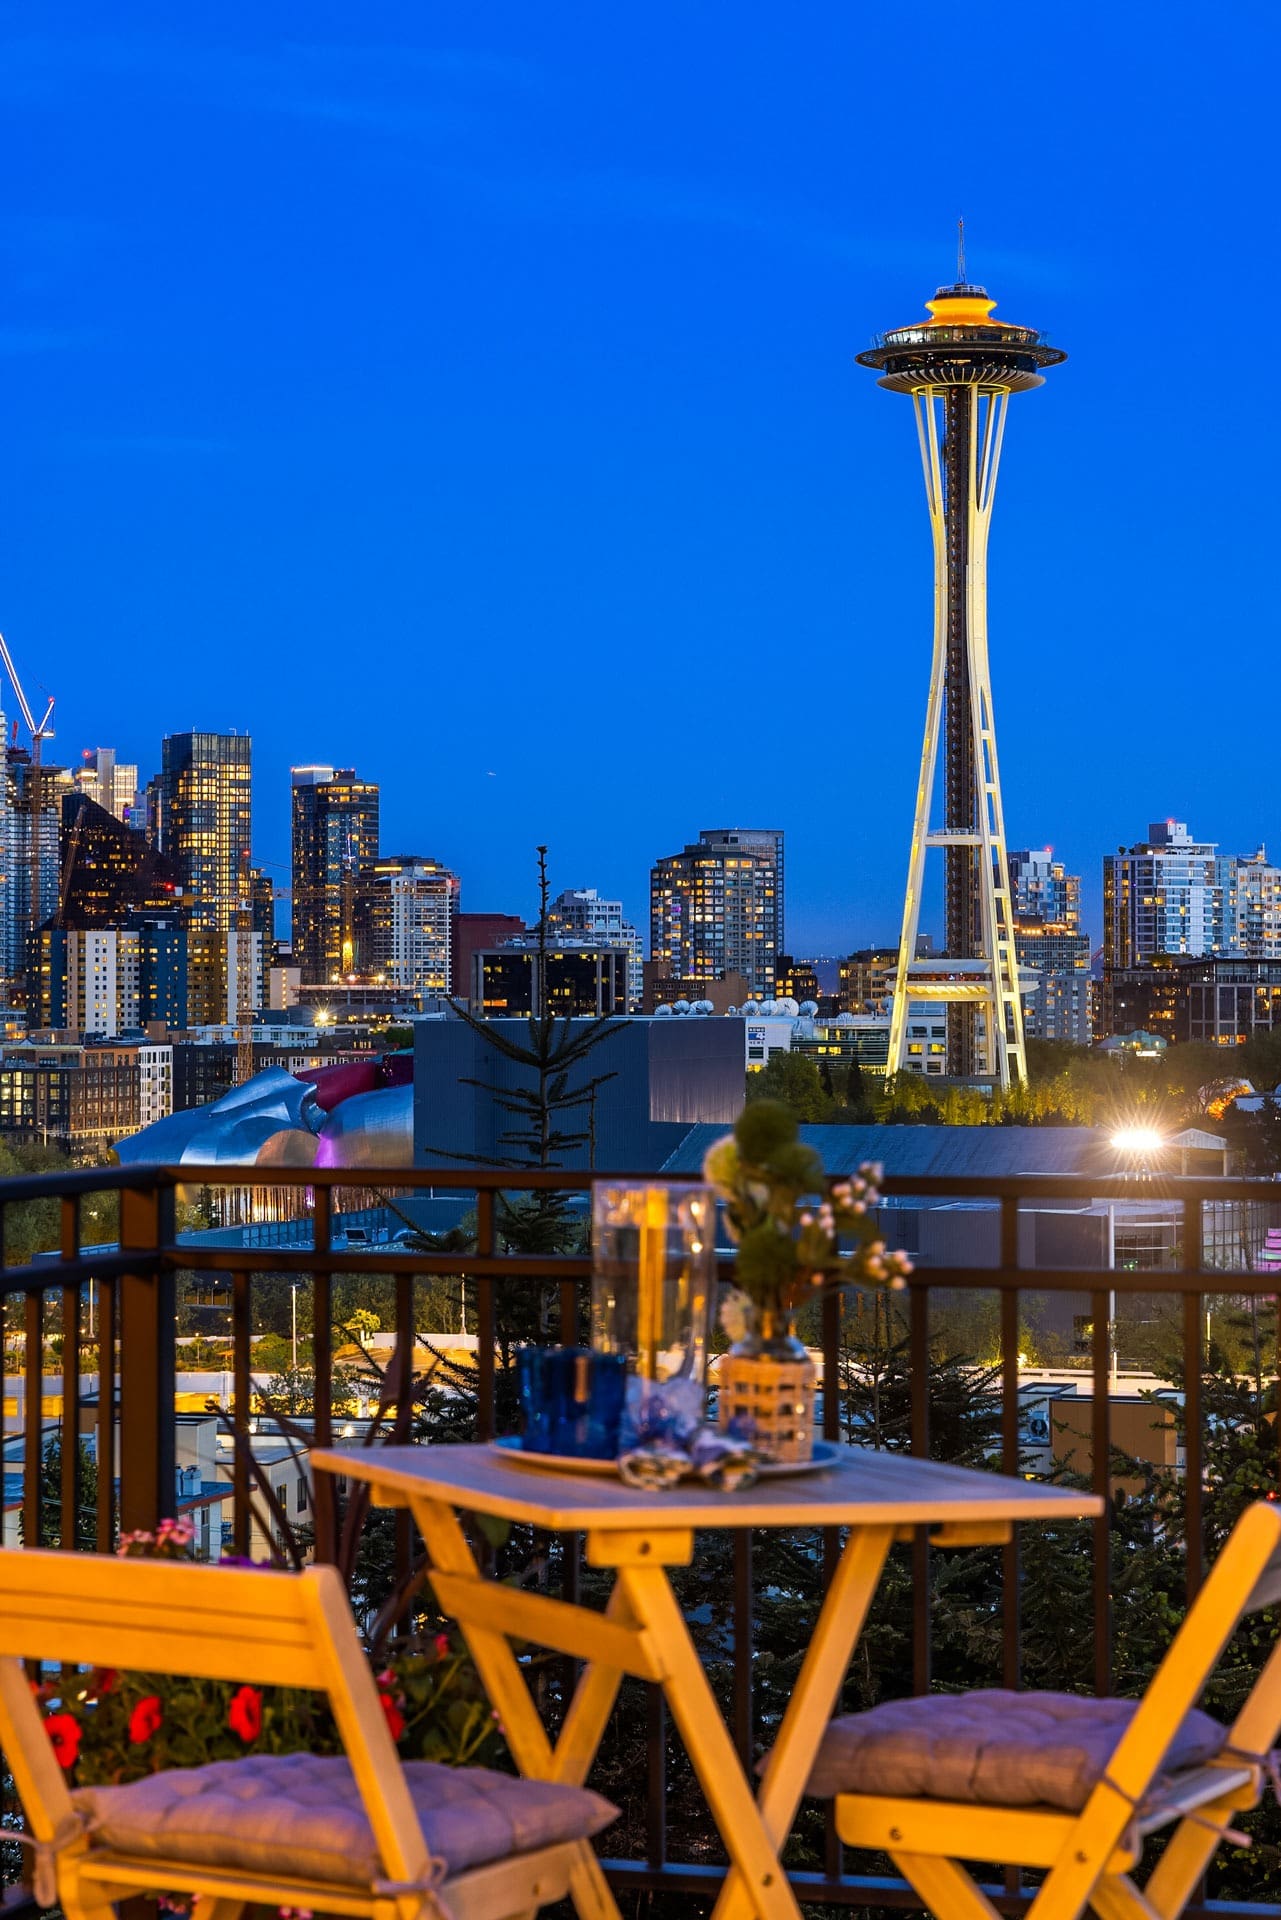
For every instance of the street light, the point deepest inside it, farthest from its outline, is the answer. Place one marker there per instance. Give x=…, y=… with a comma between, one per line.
x=1138, y=1142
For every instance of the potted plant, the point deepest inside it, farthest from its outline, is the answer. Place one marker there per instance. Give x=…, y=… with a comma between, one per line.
x=794, y=1233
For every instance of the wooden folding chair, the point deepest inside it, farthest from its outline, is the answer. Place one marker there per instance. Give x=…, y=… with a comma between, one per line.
x=1090, y=1854
x=263, y=1629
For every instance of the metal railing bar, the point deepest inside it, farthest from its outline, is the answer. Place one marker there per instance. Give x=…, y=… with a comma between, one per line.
x=486, y=1326
x=919, y=1350
x=70, y=1490
x=106, y=1422
x=52, y=1271
x=241, y=1306
x=33, y=1420
x=743, y=1609
x=1193, y=1365
x=571, y=1267
x=1101, y=1483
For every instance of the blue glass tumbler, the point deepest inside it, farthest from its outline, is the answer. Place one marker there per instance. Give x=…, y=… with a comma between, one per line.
x=572, y=1401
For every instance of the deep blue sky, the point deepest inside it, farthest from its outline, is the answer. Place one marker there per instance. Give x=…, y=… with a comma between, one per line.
x=467, y=393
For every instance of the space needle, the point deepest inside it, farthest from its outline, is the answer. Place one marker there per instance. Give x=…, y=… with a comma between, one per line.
x=960, y=367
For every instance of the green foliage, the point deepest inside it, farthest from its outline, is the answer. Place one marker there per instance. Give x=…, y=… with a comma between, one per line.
x=793, y=1230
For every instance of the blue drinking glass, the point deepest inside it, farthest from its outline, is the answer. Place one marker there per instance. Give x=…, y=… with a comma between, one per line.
x=572, y=1401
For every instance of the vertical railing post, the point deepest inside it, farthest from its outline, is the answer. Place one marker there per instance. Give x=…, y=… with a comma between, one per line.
x=148, y=1463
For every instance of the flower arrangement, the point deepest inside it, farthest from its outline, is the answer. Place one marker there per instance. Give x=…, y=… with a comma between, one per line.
x=793, y=1231
x=108, y=1728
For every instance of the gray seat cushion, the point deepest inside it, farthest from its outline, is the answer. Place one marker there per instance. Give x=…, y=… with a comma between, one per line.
x=1003, y=1749
x=300, y=1814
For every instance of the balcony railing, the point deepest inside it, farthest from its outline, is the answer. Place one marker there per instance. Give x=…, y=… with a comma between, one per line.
x=115, y=1314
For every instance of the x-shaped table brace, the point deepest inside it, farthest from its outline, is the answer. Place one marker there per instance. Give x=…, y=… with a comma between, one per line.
x=643, y=1632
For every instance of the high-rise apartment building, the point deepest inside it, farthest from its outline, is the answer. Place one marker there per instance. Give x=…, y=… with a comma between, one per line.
x=580, y=914
x=717, y=907
x=110, y=783
x=1042, y=889
x=111, y=980
x=32, y=811
x=335, y=832
x=1258, y=907
x=1048, y=942
x=406, y=908
x=206, y=822
x=1169, y=894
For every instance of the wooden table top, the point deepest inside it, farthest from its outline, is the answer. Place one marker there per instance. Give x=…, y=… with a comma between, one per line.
x=861, y=1488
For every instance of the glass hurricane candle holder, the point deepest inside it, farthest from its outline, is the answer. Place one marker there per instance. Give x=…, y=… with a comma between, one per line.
x=654, y=1277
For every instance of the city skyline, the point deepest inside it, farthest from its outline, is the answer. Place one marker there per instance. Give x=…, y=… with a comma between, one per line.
x=360, y=390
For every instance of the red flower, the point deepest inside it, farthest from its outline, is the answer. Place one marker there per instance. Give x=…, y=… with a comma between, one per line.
x=395, y=1718
x=442, y=1645
x=105, y=1679
x=63, y=1730
x=145, y=1719
x=244, y=1715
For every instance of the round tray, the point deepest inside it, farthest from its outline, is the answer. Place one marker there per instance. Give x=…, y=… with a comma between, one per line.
x=825, y=1454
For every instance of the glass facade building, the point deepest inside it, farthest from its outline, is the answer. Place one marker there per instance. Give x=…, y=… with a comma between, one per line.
x=335, y=832
x=206, y=822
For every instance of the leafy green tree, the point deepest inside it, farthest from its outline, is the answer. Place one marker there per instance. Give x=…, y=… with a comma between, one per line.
x=793, y=1079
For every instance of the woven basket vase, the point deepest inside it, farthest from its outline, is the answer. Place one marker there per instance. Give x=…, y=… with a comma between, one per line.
x=767, y=1387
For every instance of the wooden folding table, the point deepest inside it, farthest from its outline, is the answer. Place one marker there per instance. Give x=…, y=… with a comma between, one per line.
x=878, y=1497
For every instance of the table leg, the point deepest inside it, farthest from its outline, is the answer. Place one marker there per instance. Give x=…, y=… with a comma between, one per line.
x=504, y=1684
x=754, y=1860
x=817, y=1689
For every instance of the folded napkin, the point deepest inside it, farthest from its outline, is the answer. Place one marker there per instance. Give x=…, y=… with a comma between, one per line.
x=717, y=1459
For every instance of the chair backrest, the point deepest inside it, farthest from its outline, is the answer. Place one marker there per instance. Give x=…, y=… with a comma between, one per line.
x=239, y=1624
x=1242, y=1579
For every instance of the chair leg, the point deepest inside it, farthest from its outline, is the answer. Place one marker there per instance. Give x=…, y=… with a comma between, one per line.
x=945, y=1887
x=1189, y=1852
x=1117, y=1898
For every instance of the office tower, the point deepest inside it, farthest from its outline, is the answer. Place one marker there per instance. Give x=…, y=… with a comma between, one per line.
x=406, y=907
x=1042, y=889
x=206, y=822
x=583, y=979
x=475, y=933
x=960, y=367
x=335, y=831
x=1168, y=894
x=716, y=907
x=581, y=914
x=110, y=783
x=795, y=979
x=109, y=870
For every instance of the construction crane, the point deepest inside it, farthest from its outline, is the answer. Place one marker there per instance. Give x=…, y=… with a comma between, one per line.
x=39, y=734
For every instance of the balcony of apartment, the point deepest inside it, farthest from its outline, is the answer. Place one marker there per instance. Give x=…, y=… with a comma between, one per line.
x=1114, y=1333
